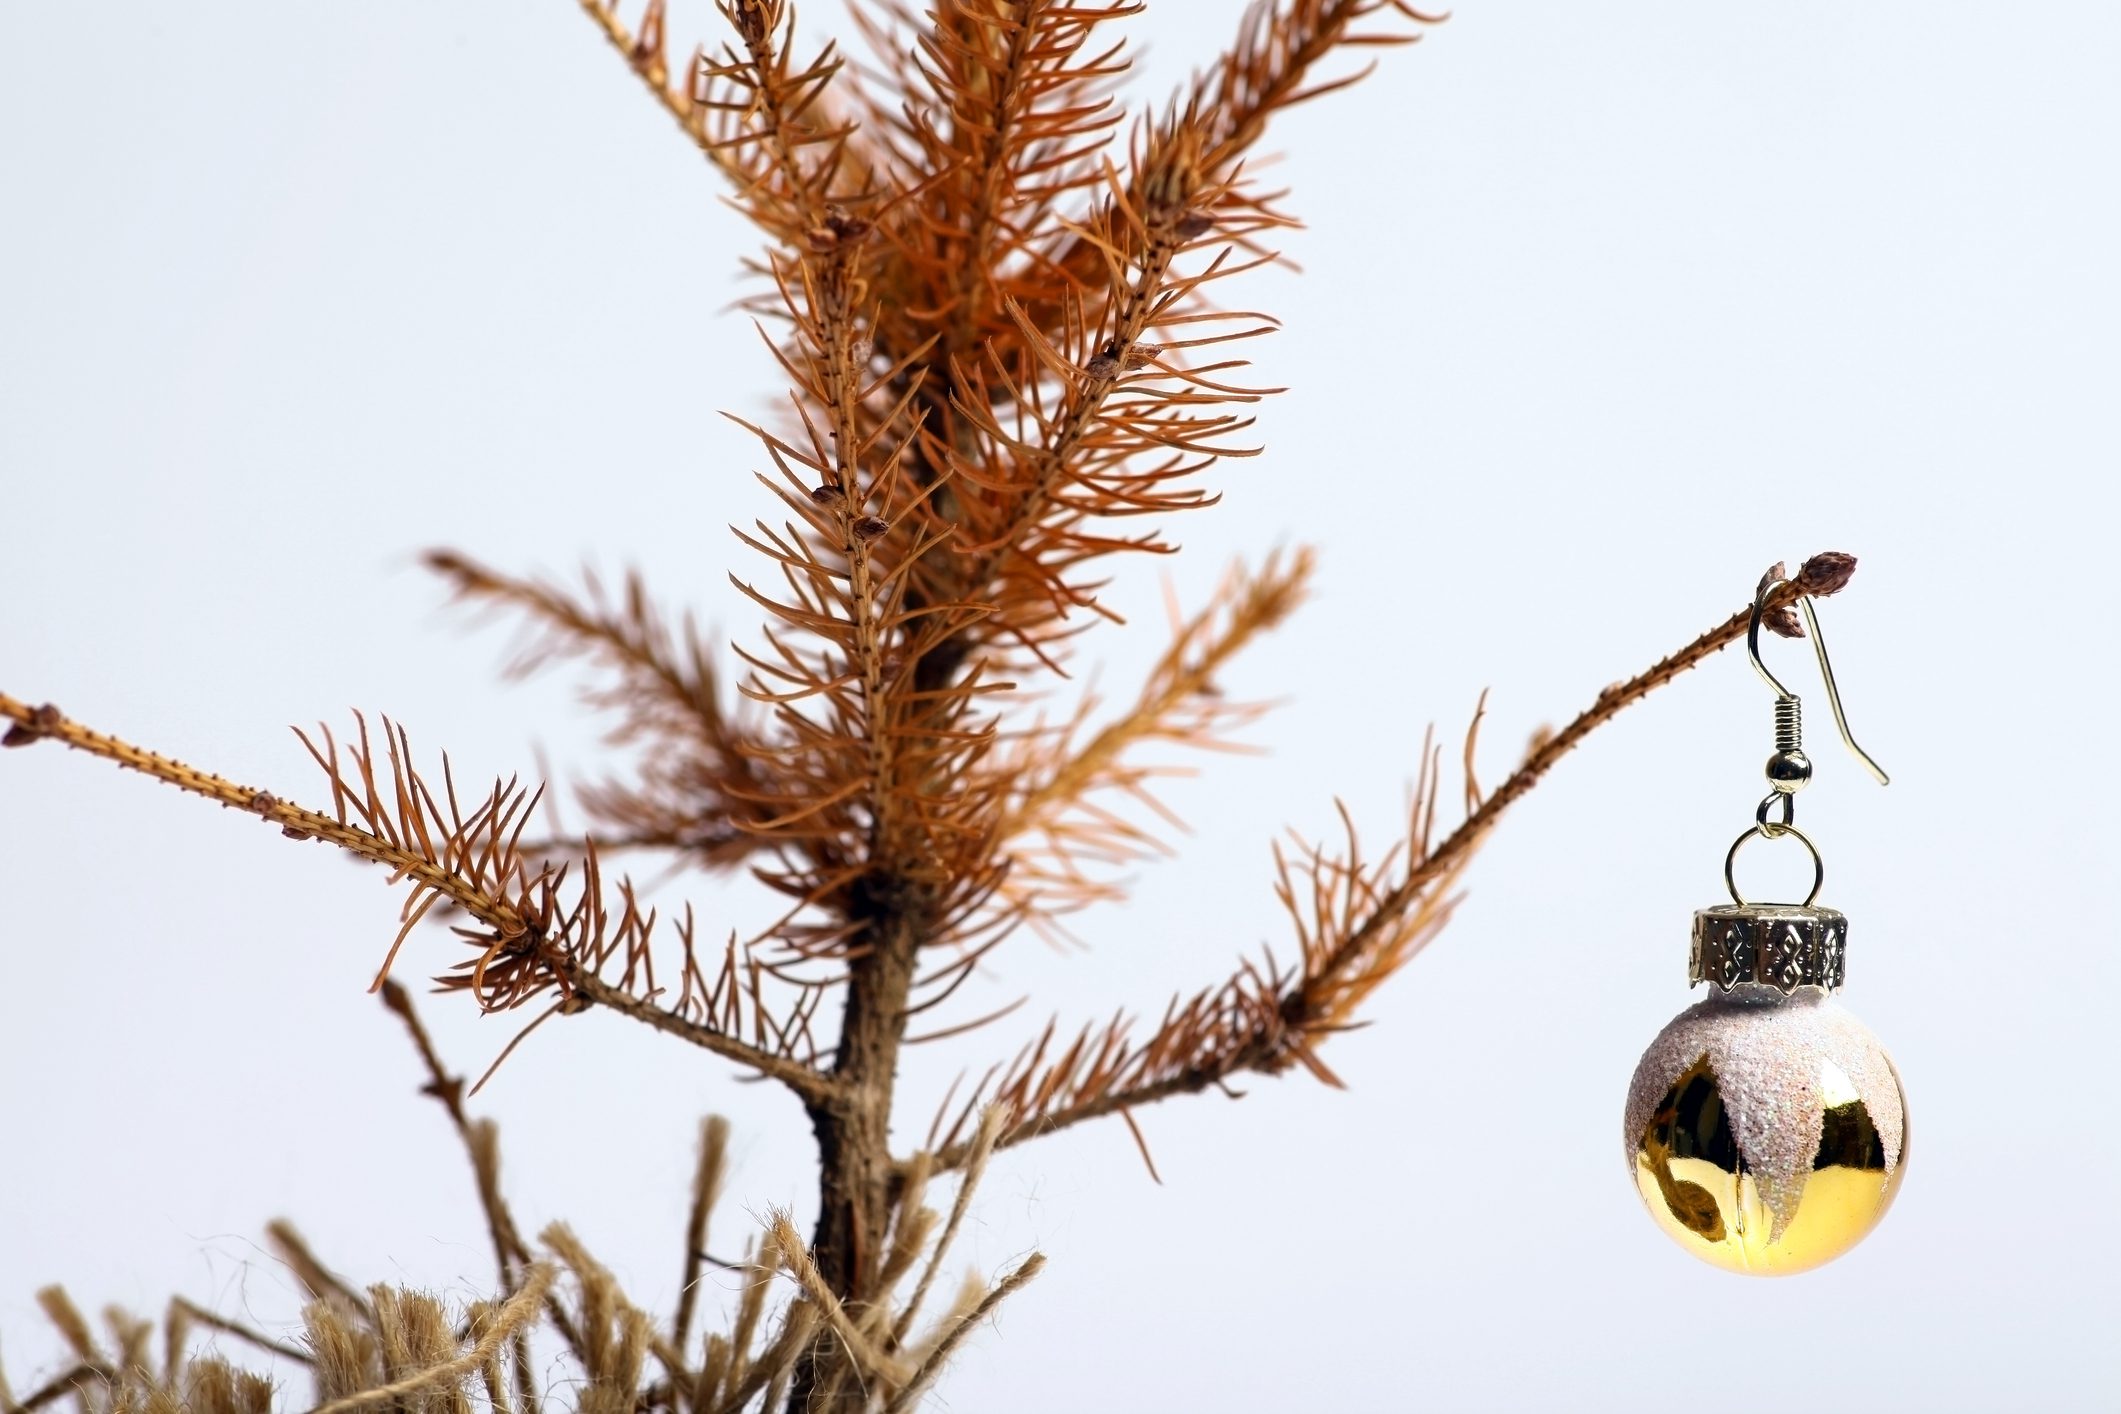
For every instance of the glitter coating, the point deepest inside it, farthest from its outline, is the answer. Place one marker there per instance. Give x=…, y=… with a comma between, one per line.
x=1766, y=1052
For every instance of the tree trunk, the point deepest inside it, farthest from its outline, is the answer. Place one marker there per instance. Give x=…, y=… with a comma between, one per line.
x=854, y=1146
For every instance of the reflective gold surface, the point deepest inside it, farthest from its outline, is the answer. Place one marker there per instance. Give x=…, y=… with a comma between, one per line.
x=1701, y=1191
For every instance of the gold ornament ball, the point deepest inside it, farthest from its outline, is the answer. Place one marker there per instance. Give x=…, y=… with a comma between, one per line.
x=1766, y=1133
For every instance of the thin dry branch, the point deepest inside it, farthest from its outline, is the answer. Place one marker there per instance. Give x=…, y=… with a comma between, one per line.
x=72, y=1381
x=932, y=1364
x=1058, y=433
x=1067, y=826
x=512, y=1255
x=1076, y=414
x=1357, y=924
x=993, y=116
x=321, y=1282
x=539, y=934
x=763, y=122
x=1270, y=66
x=697, y=771
x=1823, y=574
x=192, y=1312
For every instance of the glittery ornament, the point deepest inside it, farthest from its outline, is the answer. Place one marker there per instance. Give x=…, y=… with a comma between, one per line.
x=1765, y=1126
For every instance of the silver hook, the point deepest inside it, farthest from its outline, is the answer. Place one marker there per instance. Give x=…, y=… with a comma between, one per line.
x=1787, y=721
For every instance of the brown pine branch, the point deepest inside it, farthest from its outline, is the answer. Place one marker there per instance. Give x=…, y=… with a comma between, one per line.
x=1032, y=102
x=538, y=935
x=860, y=616
x=773, y=116
x=1065, y=826
x=870, y=768
x=994, y=115
x=698, y=771
x=1179, y=702
x=668, y=685
x=1356, y=927
x=1004, y=114
x=1125, y=423
x=1065, y=421
x=754, y=115
x=865, y=778
x=1269, y=67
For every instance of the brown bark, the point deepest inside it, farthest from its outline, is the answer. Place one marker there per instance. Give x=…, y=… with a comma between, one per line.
x=853, y=1129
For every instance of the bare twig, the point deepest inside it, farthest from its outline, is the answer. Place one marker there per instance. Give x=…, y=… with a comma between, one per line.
x=992, y=1123
x=482, y=1146
x=321, y=1281
x=1030, y=1267
x=448, y=1091
x=195, y=1312
x=59, y=1386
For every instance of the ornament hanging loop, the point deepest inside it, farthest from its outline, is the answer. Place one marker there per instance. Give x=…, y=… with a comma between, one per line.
x=1767, y=831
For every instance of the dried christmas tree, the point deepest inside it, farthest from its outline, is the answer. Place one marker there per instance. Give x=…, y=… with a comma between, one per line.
x=999, y=303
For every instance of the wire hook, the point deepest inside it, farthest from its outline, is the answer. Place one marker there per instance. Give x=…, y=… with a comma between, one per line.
x=1786, y=713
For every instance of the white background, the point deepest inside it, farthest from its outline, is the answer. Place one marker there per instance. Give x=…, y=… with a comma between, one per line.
x=1604, y=309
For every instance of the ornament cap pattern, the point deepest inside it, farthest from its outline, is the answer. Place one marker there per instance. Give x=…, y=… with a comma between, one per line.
x=1779, y=945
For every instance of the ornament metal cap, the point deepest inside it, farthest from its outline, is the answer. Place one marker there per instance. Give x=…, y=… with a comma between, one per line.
x=1779, y=945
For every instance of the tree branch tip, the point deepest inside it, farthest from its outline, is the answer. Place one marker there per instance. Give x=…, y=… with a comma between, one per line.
x=1827, y=572
x=42, y=721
